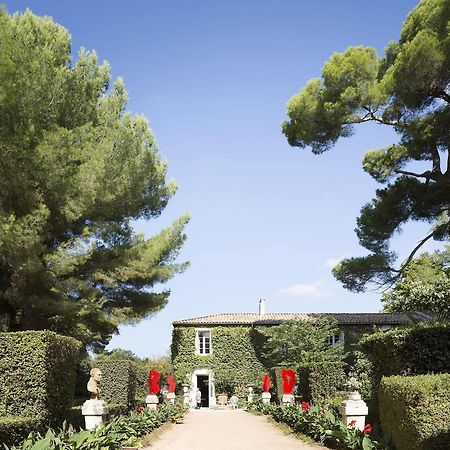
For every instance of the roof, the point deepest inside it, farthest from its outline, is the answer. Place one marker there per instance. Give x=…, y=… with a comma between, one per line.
x=277, y=318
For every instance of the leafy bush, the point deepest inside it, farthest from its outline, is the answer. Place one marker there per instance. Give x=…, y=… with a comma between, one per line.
x=320, y=381
x=118, y=381
x=37, y=374
x=110, y=436
x=415, y=411
x=14, y=429
x=320, y=423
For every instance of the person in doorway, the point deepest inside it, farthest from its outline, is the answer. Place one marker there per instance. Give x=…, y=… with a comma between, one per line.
x=198, y=398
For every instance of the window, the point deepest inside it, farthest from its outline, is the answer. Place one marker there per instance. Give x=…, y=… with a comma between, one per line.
x=337, y=338
x=203, y=342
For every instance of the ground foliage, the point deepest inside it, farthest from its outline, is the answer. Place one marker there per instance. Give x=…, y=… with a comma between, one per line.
x=415, y=411
x=121, y=431
x=75, y=170
x=37, y=373
x=408, y=90
x=320, y=423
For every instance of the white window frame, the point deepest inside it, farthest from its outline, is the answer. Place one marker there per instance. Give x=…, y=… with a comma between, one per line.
x=332, y=339
x=198, y=331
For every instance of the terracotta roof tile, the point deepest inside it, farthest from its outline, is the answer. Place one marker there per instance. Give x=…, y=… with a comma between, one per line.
x=277, y=318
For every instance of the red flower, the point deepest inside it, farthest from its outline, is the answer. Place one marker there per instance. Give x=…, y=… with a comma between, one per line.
x=305, y=406
x=352, y=423
x=139, y=408
x=367, y=428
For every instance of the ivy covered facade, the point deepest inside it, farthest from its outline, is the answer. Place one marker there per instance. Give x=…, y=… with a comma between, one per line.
x=222, y=353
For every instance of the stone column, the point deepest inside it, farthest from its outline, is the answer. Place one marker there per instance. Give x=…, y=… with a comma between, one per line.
x=171, y=397
x=94, y=412
x=266, y=397
x=151, y=401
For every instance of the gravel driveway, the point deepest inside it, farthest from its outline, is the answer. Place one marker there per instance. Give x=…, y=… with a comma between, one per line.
x=226, y=430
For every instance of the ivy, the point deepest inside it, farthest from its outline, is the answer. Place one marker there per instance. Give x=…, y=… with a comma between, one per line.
x=235, y=360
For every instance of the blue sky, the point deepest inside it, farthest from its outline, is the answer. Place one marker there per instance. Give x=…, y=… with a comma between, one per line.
x=213, y=77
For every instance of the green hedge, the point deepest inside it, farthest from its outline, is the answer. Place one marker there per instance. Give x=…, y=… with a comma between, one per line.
x=118, y=381
x=37, y=374
x=409, y=351
x=415, y=411
x=320, y=381
x=14, y=429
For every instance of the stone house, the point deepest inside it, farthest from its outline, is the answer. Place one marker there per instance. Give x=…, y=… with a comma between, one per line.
x=220, y=352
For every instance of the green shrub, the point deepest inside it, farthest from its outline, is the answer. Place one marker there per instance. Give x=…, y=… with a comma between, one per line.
x=118, y=381
x=409, y=351
x=415, y=411
x=14, y=429
x=320, y=381
x=120, y=431
x=37, y=374
x=320, y=423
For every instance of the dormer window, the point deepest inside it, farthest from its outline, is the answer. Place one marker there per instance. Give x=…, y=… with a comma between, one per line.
x=203, y=342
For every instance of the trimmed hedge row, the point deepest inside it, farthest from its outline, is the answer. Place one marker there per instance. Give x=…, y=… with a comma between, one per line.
x=118, y=381
x=415, y=411
x=37, y=374
x=14, y=429
x=320, y=381
x=409, y=351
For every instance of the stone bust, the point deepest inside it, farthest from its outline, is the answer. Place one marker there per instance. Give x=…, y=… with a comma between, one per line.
x=93, y=385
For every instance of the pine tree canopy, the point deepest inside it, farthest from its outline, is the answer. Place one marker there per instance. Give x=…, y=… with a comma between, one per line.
x=409, y=90
x=75, y=170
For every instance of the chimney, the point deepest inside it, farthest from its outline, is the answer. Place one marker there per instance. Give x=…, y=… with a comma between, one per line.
x=262, y=307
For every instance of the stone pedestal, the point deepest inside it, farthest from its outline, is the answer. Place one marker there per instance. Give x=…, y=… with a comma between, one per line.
x=288, y=399
x=94, y=412
x=171, y=397
x=354, y=409
x=152, y=401
x=266, y=397
x=186, y=401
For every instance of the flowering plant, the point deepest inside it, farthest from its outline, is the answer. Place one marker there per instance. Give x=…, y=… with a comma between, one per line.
x=320, y=423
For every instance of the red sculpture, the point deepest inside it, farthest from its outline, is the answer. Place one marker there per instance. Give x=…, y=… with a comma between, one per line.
x=172, y=384
x=153, y=378
x=288, y=381
x=266, y=383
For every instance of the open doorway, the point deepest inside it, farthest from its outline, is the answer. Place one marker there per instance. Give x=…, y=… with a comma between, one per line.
x=203, y=385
